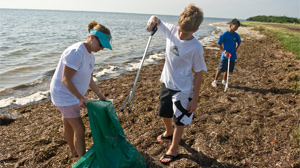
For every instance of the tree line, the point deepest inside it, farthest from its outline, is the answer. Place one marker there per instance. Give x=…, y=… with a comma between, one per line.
x=276, y=19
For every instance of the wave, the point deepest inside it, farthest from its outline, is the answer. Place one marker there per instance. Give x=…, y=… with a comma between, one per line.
x=33, y=91
x=16, y=70
x=19, y=52
x=13, y=101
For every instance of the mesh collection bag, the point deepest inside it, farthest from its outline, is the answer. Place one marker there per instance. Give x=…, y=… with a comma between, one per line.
x=110, y=148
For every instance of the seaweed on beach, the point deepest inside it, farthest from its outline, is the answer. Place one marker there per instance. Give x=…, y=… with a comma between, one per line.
x=254, y=124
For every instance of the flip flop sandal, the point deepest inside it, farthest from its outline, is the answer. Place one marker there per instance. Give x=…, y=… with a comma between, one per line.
x=162, y=137
x=173, y=158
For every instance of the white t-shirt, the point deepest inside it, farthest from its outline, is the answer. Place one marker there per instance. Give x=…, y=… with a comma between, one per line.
x=78, y=58
x=182, y=57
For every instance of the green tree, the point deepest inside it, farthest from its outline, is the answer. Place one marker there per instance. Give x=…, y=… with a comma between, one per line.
x=275, y=19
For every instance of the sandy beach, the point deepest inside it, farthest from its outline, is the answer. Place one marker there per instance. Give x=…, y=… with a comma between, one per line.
x=251, y=125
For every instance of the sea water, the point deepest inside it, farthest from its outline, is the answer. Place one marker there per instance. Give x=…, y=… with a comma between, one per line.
x=31, y=43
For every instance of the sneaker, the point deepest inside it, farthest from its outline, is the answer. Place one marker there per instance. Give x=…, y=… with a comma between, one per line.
x=223, y=82
x=214, y=83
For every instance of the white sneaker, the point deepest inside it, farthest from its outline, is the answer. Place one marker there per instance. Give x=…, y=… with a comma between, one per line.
x=223, y=82
x=214, y=83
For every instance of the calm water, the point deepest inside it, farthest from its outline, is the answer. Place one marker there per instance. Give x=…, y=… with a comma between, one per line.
x=31, y=43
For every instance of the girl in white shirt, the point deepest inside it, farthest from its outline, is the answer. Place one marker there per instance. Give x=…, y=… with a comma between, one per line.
x=72, y=77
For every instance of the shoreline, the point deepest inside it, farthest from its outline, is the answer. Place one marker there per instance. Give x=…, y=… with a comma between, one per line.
x=17, y=97
x=251, y=125
x=128, y=48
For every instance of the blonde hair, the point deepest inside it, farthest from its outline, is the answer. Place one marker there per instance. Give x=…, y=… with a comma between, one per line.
x=191, y=18
x=96, y=26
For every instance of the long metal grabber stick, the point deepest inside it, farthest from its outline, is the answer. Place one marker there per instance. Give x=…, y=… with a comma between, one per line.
x=226, y=86
x=130, y=97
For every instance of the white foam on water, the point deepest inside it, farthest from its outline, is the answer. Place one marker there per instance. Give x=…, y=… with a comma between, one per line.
x=154, y=58
x=7, y=102
x=150, y=60
x=38, y=96
x=112, y=71
x=105, y=71
x=220, y=30
x=95, y=80
x=133, y=66
x=215, y=35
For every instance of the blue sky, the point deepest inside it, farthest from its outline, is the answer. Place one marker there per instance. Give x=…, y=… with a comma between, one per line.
x=241, y=9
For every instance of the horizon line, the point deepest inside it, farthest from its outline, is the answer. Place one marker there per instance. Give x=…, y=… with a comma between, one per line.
x=70, y=10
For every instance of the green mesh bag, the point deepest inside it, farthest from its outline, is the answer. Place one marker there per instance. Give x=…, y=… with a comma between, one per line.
x=110, y=148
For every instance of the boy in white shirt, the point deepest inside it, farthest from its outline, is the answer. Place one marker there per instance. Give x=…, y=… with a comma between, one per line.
x=179, y=95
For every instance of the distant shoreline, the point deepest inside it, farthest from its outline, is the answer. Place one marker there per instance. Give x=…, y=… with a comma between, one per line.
x=242, y=19
x=36, y=90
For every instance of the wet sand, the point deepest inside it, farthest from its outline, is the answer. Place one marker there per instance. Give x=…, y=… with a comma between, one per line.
x=252, y=125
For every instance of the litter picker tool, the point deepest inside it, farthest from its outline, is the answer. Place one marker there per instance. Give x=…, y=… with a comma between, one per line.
x=130, y=97
x=226, y=86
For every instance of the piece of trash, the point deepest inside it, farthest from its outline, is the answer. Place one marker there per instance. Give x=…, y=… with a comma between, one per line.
x=112, y=100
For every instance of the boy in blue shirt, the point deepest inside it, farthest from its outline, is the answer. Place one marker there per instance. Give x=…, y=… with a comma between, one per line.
x=231, y=42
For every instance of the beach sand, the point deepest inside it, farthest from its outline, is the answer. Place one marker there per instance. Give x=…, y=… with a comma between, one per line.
x=253, y=124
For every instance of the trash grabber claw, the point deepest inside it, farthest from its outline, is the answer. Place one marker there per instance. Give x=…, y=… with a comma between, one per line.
x=130, y=97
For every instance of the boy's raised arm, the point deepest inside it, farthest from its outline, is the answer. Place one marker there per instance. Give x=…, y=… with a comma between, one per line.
x=152, y=22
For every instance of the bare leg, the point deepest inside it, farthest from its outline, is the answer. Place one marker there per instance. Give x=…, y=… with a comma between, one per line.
x=174, y=146
x=69, y=136
x=225, y=75
x=168, y=125
x=79, y=130
x=169, y=128
x=217, y=75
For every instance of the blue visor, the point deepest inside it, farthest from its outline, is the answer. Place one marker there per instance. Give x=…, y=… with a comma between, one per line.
x=104, y=38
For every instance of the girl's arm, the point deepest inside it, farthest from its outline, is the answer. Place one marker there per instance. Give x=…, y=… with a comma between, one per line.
x=68, y=74
x=95, y=89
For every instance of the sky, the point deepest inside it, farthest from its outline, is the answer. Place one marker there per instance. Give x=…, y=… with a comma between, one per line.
x=241, y=9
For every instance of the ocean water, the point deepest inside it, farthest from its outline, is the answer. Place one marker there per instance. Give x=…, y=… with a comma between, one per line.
x=31, y=43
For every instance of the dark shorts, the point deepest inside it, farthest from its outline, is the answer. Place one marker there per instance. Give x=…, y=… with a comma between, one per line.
x=224, y=64
x=166, y=106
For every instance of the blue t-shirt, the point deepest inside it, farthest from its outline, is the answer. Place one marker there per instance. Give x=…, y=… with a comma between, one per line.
x=229, y=41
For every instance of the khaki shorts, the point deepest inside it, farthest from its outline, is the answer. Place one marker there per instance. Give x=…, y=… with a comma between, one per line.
x=72, y=111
